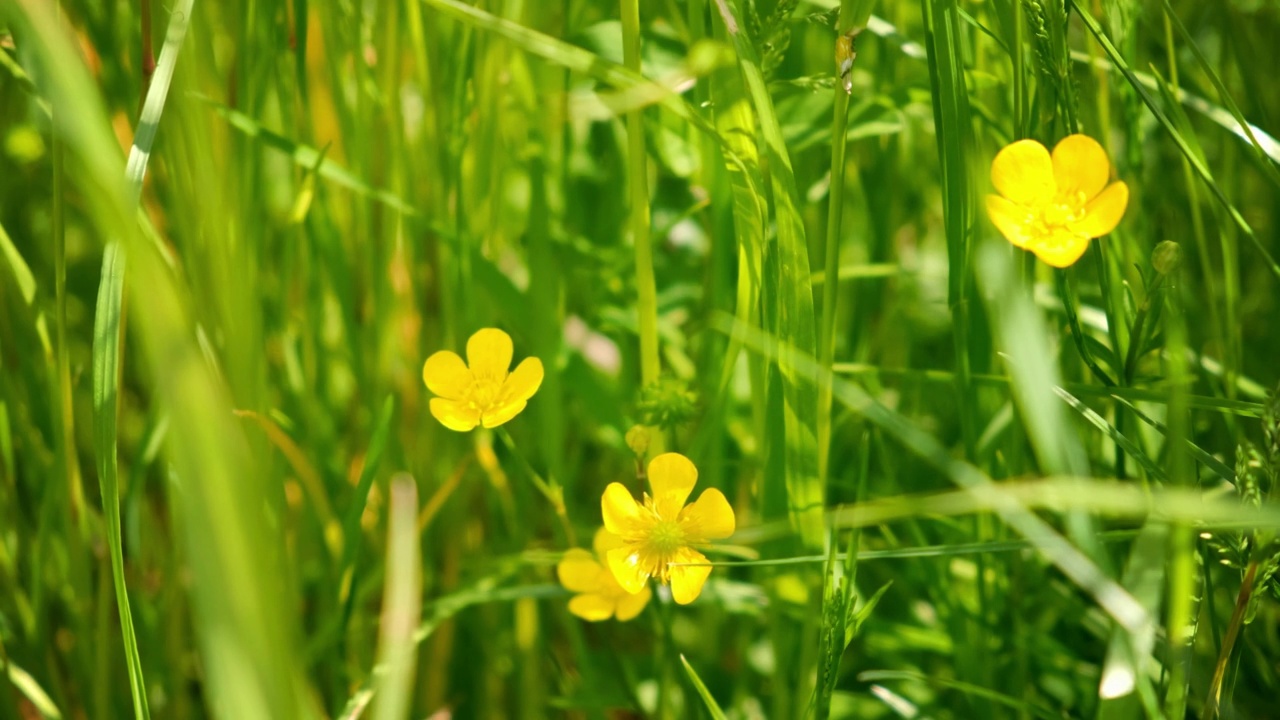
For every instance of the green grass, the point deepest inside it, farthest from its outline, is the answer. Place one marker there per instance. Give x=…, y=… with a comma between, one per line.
x=966, y=485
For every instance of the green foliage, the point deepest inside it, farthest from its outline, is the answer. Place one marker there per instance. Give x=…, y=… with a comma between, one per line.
x=966, y=485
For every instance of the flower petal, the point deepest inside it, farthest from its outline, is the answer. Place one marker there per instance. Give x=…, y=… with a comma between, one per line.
x=1080, y=165
x=454, y=415
x=708, y=518
x=524, y=381
x=604, y=541
x=1060, y=249
x=578, y=571
x=446, y=375
x=624, y=563
x=672, y=477
x=1010, y=219
x=495, y=416
x=686, y=582
x=620, y=510
x=489, y=353
x=1104, y=212
x=1023, y=173
x=630, y=606
x=592, y=607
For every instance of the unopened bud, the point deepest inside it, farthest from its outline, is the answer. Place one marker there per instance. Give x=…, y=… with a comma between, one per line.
x=638, y=440
x=1166, y=257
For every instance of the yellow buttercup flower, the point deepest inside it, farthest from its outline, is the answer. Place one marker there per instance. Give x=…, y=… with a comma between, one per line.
x=480, y=391
x=662, y=530
x=599, y=597
x=1053, y=206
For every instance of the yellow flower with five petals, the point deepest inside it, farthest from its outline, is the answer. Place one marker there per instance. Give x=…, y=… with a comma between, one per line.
x=1053, y=205
x=599, y=597
x=480, y=391
x=658, y=536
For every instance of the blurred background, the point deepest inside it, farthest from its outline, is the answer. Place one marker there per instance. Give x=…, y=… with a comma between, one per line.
x=1058, y=478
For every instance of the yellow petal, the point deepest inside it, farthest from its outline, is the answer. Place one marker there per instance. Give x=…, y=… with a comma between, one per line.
x=709, y=518
x=604, y=541
x=672, y=477
x=1023, y=173
x=620, y=510
x=624, y=563
x=489, y=353
x=1009, y=219
x=495, y=416
x=1080, y=165
x=686, y=582
x=446, y=375
x=524, y=381
x=630, y=606
x=454, y=415
x=592, y=607
x=1104, y=212
x=578, y=571
x=1060, y=249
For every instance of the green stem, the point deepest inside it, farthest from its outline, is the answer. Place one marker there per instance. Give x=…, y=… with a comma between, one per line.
x=1067, y=294
x=638, y=185
x=831, y=256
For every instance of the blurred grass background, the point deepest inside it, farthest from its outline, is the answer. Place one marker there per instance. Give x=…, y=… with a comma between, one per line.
x=222, y=494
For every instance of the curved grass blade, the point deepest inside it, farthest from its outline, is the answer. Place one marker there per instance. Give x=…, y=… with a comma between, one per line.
x=712, y=706
x=108, y=342
x=108, y=336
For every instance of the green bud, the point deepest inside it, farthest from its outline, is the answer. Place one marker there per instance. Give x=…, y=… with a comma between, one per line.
x=1166, y=257
x=666, y=403
x=638, y=440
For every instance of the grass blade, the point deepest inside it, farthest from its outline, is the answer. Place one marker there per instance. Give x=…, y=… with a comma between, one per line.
x=401, y=604
x=107, y=346
x=712, y=706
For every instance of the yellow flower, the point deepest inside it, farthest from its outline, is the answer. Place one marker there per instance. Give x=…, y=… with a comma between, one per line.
x=1053, y=206
x=599, y=597
x=662, y=531
x=484, y=393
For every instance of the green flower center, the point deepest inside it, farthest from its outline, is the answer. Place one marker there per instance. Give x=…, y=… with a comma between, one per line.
x=665, y=539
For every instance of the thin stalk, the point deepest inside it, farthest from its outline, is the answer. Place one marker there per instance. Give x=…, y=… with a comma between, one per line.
x=638, y=186
x=831, y=256
x=1213, y=696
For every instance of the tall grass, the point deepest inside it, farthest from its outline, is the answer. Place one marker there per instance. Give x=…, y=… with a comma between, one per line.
x=965, y=484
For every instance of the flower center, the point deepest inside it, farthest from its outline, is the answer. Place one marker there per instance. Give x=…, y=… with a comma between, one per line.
x=1061, y=212
x=666, y=538
x=484, y=391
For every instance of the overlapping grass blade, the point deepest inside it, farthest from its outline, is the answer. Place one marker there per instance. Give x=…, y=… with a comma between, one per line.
x=788, y=297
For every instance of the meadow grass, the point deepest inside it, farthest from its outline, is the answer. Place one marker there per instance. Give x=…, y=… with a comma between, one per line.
x=964, y=483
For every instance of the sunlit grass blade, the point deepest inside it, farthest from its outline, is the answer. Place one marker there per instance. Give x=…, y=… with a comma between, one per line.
x=107, y=348
x=1126, y=683
x=788, y=301
x=32, y=691
x=1105, y=498
x=1008, y=701
x=401, y=603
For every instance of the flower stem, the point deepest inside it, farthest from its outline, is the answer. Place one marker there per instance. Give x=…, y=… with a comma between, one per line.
x=638, y=188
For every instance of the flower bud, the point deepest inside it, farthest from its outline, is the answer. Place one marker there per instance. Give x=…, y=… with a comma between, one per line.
x=638, y=440
x=1166, y=257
